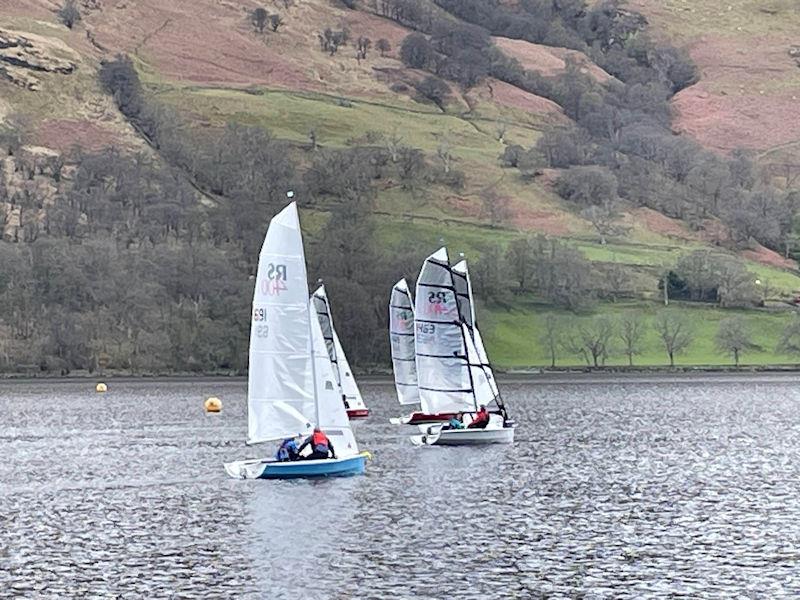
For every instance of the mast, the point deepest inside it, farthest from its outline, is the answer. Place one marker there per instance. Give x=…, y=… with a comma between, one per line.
x=309, y=305
x=463, y=337
x=472, y=326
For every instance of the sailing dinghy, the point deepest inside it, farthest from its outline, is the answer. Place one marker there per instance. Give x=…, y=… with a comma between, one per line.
x=453, y=375
x=404, y=362
x=348, y=389
x=291, y=386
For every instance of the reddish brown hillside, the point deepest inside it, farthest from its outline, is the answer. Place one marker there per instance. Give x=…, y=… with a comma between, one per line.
x=750, y=82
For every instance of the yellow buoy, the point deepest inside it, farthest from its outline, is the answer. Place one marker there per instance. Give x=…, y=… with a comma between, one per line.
x=101, y=387
x=212, y=404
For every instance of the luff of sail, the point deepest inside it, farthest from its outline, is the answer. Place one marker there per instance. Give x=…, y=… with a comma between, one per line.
x=401, y=336
x=332, y=415
x=280, y=386
x=444, y=379
x=466, y=301
x=341, y=367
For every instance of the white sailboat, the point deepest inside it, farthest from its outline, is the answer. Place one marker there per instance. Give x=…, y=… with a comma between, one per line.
x=453, y=375
x=351, y=395
x=404, y=362
x=291, y=386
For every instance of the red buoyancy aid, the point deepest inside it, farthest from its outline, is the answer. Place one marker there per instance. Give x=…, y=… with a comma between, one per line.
x=319, y=439
x=481, y=416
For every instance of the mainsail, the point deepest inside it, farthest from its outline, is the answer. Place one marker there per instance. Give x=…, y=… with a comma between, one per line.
x=445, y=382
x=348, y=389
x=401, y=336
x=290, y=383
x=466, y=307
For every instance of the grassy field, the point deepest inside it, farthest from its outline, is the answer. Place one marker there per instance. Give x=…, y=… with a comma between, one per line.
x=512, y=335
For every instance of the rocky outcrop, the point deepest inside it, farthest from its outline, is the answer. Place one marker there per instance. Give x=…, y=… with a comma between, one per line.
x=23, y=56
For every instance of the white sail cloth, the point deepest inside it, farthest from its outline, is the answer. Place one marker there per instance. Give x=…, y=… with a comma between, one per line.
x=348, y=388
x=445, y=383
x=466, y=301
x=401, y=336
x=333, y=419
x=287, y=392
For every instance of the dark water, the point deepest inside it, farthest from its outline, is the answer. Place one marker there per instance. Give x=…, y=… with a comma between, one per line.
x=614, y=489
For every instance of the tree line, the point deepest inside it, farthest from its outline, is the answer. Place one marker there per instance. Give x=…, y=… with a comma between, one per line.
x=606, y=337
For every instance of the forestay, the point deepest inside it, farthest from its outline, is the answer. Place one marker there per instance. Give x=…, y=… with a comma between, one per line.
x=280, y=387
x=333, y=417
x=444, y=379
x=401, y=336
x=348, y=389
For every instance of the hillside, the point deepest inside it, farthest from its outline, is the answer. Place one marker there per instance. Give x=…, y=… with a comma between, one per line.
x=203, y=65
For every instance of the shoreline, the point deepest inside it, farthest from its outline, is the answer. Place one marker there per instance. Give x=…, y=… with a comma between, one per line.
x=532, y=376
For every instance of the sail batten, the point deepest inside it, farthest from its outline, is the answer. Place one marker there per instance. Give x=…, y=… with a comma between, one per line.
x=401, y=337
x=348, y=388
x=445, y=380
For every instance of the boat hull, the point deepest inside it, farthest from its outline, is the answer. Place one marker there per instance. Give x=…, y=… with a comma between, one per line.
x=421, y=418
x=298, y=469
x=436, y=436
x=357, y=413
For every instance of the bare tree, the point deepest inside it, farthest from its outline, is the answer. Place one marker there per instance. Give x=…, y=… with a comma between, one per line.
x=394, y=143
x=790, y=338
x=444, y=154
x=69, y=13
x=259, y=18
x=674, y=333
x=631, y=333
x=602, y=218
x=363, y=44
x=733, y=337
x=494, y=207
x=275, y=22
x=551, y=337
x=520, y=257
x=383, y=46
x=596, y=339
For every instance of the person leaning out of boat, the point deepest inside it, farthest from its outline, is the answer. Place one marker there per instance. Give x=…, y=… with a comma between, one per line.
x=321, y=446
x=481, y=419
x=287, y=451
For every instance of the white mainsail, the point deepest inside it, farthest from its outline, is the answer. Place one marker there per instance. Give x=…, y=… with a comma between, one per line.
x=290, y=383
x=445, y=382
x=333, y=417
x=466, y=301
x=401, y=336
x=348, y=388
x=280, y=386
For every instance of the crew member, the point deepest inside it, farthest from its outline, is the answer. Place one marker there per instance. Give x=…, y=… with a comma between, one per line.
x=481, y=419
x=287, y=451
x=321, y=446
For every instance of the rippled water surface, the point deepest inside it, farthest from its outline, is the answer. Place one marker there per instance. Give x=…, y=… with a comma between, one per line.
x=614, y=489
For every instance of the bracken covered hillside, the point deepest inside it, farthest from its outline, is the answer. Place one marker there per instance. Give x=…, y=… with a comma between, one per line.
x=640, y=138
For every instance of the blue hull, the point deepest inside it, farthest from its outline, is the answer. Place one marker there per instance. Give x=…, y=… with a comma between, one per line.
x=339, y=467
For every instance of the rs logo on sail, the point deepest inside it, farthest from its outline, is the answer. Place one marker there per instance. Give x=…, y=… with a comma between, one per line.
x=275, y=282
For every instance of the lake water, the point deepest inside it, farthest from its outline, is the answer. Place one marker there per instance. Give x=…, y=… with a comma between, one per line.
x=624, y=488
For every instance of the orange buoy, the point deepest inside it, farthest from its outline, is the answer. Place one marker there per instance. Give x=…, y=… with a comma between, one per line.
x=212, y=404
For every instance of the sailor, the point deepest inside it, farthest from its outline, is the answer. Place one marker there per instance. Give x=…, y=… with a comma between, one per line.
x=287, y=451
x=481, y=419
x=455, y=422
x=321, y=446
